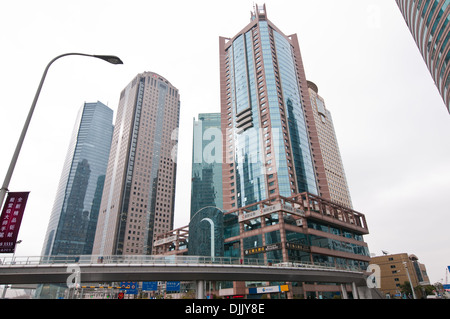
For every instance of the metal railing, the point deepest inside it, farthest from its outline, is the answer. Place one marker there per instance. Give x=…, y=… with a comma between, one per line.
x=163, y=260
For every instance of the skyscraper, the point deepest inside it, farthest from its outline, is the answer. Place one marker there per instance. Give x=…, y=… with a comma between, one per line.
x=279, y=155
x=429, y=24
x=270, y=142
x=138, y=197
x=74, y=216
x=206, y=186
x=332, y=161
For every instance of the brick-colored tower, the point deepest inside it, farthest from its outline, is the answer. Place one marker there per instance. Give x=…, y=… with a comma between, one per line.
x=270, y=141
x=139, y=192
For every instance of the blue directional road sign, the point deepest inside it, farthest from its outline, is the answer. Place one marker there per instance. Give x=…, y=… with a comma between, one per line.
x=173, y=286
x=149, y=286
x=130, y=287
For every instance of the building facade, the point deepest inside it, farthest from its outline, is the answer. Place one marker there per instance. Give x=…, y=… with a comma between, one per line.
x=429, y=23
x=206, y=186
x=396, y=269
x=270, y=142
x=73, y=220
x=302, y=229
x=329, y=147
x=277, y=154
x=139, y=192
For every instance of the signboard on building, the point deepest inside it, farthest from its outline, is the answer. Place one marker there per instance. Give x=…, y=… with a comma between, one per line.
x=10, y=220
x=272, y=209
x=262, y=249
x=296, y=246
x=165, y=240
x=268, y=290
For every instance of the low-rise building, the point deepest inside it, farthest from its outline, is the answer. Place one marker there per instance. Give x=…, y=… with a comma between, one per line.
x=396, y=269
x=301, y=229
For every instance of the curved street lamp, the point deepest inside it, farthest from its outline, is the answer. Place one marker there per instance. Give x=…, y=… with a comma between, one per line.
x=108, y=58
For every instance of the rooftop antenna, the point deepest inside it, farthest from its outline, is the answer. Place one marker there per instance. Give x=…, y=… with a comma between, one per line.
x=255, y=12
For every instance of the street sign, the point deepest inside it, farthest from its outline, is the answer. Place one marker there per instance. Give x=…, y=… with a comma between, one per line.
x=173, y=286
x=10, y=220
x=149, y=286
x=130, y=287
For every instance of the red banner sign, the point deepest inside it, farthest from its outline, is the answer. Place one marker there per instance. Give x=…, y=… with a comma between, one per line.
x=10, y=220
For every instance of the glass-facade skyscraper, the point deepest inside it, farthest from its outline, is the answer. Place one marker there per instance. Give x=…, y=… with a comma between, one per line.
x=429, y=23
x=279, y=150
x=270, y=140
x=73, y=220
x=206, y=186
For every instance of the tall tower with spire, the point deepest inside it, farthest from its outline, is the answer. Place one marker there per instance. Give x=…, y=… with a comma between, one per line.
x=270, y=141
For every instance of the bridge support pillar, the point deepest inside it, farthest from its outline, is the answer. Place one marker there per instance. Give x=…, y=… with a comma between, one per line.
x=344, y=291
x=200, y=289
x=355, y=291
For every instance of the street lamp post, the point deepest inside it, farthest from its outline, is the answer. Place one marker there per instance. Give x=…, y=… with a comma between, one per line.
x=108, y=58
x=409, y=277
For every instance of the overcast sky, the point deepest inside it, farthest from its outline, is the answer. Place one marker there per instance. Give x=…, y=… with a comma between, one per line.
x=392, y=126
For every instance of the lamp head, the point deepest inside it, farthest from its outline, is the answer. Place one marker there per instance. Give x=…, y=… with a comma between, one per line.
x=109, y=58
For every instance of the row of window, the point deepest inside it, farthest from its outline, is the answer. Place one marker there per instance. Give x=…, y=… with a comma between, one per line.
x=254, y=246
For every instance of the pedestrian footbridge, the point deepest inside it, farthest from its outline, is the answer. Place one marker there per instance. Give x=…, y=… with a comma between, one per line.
x=95, y=269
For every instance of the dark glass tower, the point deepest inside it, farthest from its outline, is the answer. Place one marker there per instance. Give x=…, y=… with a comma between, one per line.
x=74, y=216
x=206, y=233
x=206, y=187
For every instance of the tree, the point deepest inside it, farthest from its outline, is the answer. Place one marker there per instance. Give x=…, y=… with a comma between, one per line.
x=429, y=289
x=406, y=288
x=420, y=291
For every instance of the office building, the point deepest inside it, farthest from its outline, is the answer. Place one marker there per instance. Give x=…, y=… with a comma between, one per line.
x=429, y=23
x=206, y=186
x=329, y=148
x=396, y=269
x=75, y=211
x=277, y=204
x=303, y=229
x=138, y=197
x=270, y=141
